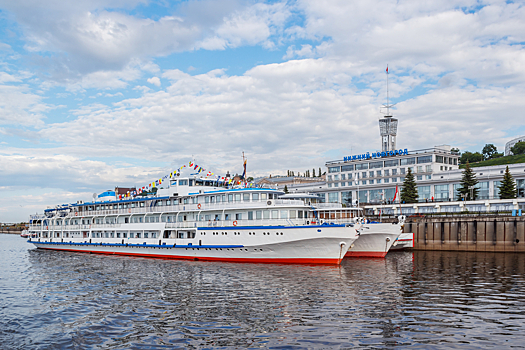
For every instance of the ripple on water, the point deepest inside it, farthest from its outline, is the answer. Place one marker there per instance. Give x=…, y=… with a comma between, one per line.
x=422, y=299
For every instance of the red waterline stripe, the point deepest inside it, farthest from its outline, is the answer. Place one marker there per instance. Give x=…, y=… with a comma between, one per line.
x=323, y=261
x=351, y=254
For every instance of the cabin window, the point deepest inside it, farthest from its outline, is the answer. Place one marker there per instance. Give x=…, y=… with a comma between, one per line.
x=263, y=196
x=160, y=203
x=146, y=234
x=238, y=216
x=98, y=207
x=114, y=206
x=217, y=217
x=230, y=198
x=133, y=205
x=237, y=197
x=106, y=234
x=223, y=198
x=255, y=197
x=250, y=215
x=112, y=234
x=293, y=214
x=118, y=234
x=168, y=202
x=284, y=214
x=206, y=199
x=124, y=235
x=227, y=217
x=275, y=214
x=183, y=182
x=142, y=204
x=207, y=217
x=266, y=214
x=246, y=197
x=212, y=199
x=140, y=219
x=92, y=235
x=153, y=235
x=258, y=214
x=131, y=235
x=300, y=214
x=163, y=218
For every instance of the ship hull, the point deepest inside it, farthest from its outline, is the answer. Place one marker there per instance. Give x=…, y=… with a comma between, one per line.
x=314, y=245
x=375, y=240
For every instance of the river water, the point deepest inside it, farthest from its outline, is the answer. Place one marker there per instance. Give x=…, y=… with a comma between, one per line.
x=61, y=300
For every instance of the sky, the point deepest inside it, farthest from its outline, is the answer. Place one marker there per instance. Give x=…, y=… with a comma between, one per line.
x=96, y=94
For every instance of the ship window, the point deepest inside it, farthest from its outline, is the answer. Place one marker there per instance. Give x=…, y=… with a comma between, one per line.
x=284, y=214
x=118, y=234
x=106, y=234
x=226, y=217
x=246, y=197
x=238, y=216
x=160, y=203
x=146, y=234
x=250, y=215
x=266, y=214
x=258, y=215
x=255, y=197
x=206, y=199
x=142, y=204
x=207, y=217
x=140, y=219
x=183, y=182
x=263, y=196
x=300, y=214
x=230, y=198
x=153, y=235
x=212, y=199
x=293, y=214
x=275, y=214
x=237, y=197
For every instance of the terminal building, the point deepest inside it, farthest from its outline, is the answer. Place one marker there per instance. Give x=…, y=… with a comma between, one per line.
x=372, y=180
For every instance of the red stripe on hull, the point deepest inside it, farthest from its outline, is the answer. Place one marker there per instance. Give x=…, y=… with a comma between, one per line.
x=324, y=261
x=351, y=254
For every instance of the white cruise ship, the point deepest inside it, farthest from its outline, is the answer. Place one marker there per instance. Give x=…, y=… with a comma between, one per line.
x=197, y=219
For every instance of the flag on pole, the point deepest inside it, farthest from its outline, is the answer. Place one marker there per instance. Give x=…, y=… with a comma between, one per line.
x=395, y=195
x=387, y=69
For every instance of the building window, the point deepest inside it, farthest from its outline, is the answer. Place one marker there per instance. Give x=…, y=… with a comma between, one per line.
x=394, y=171
x=420, y=177
x=333, y=197
x=371, y=174
x=423, y=193
x=378, y=172
x=334, y=169
x=408, y=161
x=387, y=172
x=402, y=171
x=363, y=174
x=343, y=177
x=441, y=192
x=419, y=169
x=375, y=165
x=378, y=181
x=371, y=182
x=336, y=184
x=363, y=182
x=329, y=185
x=346, y=198
x=394, y=179
x=386, y=180
x=347, y=168
x=392, y=162
x=428, y=168
x=428, y=177
x=439, y=159
x=361, y=166
x=424, y=159
x=336, y=177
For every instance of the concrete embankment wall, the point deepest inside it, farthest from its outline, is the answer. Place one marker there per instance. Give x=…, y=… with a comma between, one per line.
x=482, y=234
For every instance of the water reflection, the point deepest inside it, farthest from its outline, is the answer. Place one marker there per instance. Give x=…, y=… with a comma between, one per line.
x=408, y=299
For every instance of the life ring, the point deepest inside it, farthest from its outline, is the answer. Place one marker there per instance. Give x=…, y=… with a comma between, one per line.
x=129, y=210
x=235, y=223
x=199, y=206
x=76, y=213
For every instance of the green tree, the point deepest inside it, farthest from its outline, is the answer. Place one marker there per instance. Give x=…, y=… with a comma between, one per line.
x=455, y=150
x=489, y=151
x=518, y=148
x=285, y=189
x=319, y=172
x=507, y=188
x=409, y=190
x=468, y=184
x=470, y=157
x=313, y=172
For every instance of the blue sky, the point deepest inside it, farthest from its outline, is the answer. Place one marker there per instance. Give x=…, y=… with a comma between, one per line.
x=105, y=93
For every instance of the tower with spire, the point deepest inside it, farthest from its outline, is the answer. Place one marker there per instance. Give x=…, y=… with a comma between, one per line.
x=388, y=125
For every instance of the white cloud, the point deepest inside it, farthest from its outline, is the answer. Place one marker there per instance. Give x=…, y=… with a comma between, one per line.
x=154, y=81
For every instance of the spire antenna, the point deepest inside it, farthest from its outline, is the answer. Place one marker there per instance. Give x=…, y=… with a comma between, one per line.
x=388, y=124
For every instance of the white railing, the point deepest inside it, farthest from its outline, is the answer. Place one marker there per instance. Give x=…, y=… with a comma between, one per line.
x=193, y=208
